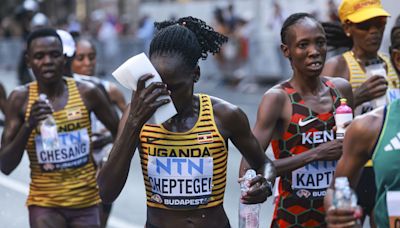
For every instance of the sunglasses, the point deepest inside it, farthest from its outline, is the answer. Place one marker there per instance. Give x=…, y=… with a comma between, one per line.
x=378, y=23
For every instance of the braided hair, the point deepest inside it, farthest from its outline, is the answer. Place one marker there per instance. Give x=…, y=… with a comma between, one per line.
x=336, y=37
x=188, y=36
x=291, y=20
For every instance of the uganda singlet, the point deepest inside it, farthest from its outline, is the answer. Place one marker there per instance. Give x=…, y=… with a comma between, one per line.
x=300, y=193
x=386, y=160
x=185, y=170
x=64, y=177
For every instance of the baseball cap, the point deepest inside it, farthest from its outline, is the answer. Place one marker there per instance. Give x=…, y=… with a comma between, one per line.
x=67, y=42
x=358, y=11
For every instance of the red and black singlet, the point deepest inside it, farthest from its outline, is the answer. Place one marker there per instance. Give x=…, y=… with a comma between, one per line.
x=300, y=193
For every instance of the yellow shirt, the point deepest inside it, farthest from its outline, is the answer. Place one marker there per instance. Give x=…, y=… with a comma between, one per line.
x=185, y=170
x=64, y=177
x=358, y=76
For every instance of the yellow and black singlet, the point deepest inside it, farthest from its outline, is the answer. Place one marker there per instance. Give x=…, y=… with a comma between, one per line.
x=64, y=177
x=185, y=170
x=358, y=76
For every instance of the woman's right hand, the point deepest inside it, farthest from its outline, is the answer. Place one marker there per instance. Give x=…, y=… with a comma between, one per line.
x=374, y=87
x=39, y=112
x=330, y=151
x=145, y=100
x=343, y=218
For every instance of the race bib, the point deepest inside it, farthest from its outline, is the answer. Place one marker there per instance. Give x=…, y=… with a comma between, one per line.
x=180, y=182
x=393, y=201
x=393, y=94
x=312, y=180
x=73, y=151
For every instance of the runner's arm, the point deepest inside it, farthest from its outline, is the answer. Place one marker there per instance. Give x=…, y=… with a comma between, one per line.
x=117, y=97
x=268, y=117
x=17, y=131
x=359, y=141
x=102, y=108
x=113, y=175
x=244, y=140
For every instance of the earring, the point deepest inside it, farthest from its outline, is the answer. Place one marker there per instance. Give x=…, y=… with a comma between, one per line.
x=348, y=34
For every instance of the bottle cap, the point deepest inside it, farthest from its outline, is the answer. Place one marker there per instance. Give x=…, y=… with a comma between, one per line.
x=42, y=97
x=343, y=100
x=341, y=182
x=250, y=174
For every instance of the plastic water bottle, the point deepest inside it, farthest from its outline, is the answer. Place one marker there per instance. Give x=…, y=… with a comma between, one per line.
x=248, y=213
x=343, y=196
x=376, y=67
x=48, y=130
x=343, y=115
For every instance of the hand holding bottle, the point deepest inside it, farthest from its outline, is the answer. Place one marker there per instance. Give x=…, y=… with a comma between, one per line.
x=248, y=213
x=39, y=112
x=344, y=211
x=48, y=129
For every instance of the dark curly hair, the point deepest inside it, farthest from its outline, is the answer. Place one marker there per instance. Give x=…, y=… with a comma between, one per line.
x=188, y=36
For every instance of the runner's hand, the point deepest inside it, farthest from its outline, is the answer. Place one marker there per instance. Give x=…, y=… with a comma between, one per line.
x=39, y=112
x=329, y=151
x=259, y=191
x=374, y=87
x=144, y=100
x=343, y=218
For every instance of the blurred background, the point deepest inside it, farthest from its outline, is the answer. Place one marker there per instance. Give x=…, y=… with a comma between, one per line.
x=248, y=65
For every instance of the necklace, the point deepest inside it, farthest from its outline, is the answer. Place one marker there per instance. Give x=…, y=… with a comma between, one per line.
x=376, y=59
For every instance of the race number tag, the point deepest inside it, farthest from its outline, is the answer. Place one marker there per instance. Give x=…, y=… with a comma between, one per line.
x=73, y=151
x=393, y=202
x=312, y=180
x=180, y=182
x=393, y=94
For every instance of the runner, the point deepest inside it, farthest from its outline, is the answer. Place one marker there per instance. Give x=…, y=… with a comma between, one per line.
x=184, y=159
x=84, y=66
x=63, y=190
x=296, y=117
x=364, y=24
x=372, y=135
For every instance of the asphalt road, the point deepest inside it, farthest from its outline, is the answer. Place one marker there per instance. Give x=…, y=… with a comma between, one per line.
x=129, y=209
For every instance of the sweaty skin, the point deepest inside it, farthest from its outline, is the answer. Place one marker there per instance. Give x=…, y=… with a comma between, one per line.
x=46, y=60
x=306, y=45
x=366, y=44
x=358, y=145
x=232, y=123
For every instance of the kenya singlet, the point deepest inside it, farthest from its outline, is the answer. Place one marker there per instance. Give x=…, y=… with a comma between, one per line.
x=64, y=177
x=386, y=160
x=300, y=193
x=185, y=170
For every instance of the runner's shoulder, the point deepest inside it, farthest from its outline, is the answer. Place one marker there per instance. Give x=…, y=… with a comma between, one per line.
x=276, y=95
x=19, y=95
x=367, y=125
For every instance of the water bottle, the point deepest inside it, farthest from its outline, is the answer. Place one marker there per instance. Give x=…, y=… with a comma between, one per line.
x=343, y=196
x=376, y=67
x=343, y=115
x=248, y=213
x=48, y=130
